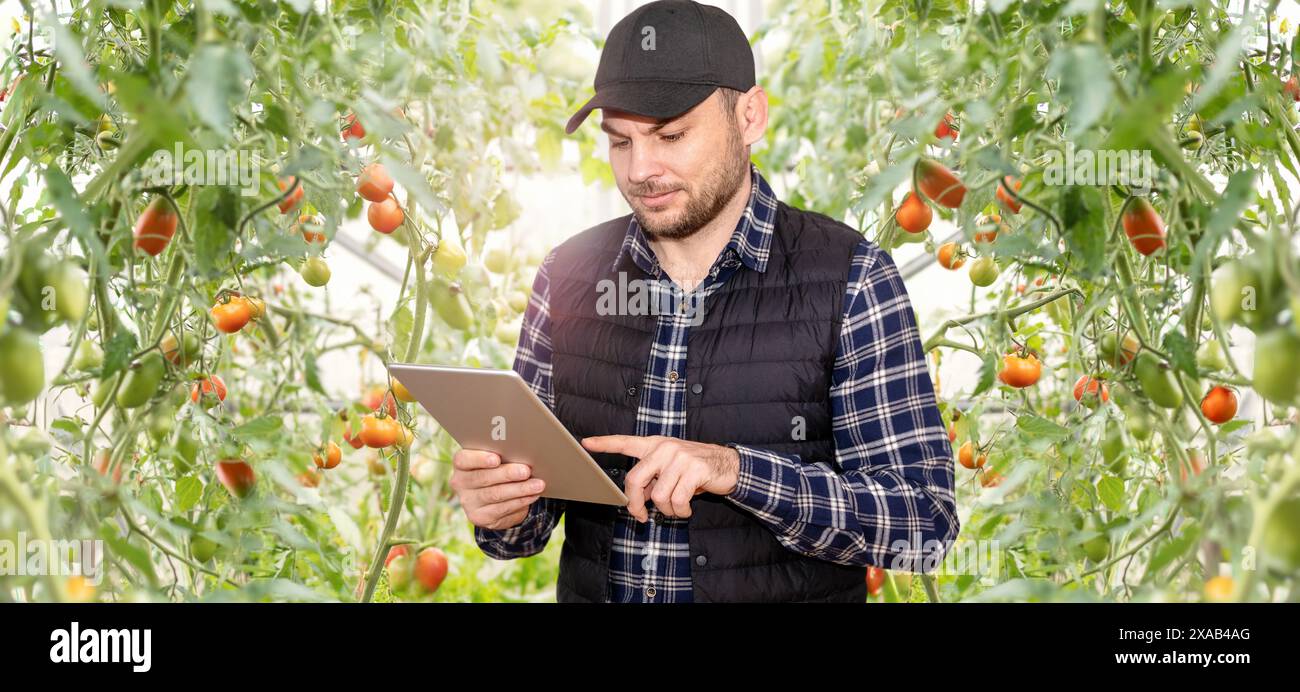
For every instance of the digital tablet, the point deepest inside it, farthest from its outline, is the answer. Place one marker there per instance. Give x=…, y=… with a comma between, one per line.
x=495, y=410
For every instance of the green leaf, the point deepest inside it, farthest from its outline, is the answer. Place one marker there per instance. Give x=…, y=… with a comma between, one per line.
x=399, y=329
x=217, y=76
x=1182, y=355
x=988, y=369
x=1111, y=492
x=262, y=426
x=1034, y=426
x=1173, y=550
x=188, y=492
x=1083, y=70
x=117, y=352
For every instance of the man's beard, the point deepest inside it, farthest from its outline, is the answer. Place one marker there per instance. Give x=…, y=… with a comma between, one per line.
x=717, y=189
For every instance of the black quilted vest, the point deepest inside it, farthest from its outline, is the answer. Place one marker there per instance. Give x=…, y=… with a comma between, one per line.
x=762, y=356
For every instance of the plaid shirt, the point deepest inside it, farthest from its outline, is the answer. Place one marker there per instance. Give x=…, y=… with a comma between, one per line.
x=885, y=497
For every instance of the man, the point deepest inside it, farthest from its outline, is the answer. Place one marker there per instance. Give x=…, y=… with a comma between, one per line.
x=775, y=430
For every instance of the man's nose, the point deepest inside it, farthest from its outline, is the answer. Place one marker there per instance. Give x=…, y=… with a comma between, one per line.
x=644, y=163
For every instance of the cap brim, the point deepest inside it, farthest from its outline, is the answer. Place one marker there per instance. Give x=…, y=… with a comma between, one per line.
x=653, y=99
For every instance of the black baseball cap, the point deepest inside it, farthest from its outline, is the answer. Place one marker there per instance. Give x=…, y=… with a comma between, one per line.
x=665, y=57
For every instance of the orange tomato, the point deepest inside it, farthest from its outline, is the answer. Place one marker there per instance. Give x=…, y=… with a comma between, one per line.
x=1219, y=405
x=1143, y=226
x=294, y=197
x=1095, y=389
x=310, y=478
x=988, y=235
x=990, y=478
x=966, y=456
x=913, y=215
x=205, y=388
x=376, y=397
x=308, y=234
x=1292, y=88
x=328, y=457
x=1020, y=371
x=1011, y=204
x=155, y=227
x=379, y=432
x=940, y=184
x=401, y=392
x=232, y=315
x=374, y=183
x=950, y=256
x=385, y=216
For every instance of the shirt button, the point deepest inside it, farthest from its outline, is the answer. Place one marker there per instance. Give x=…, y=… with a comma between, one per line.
x=701, y=560
x=631, y=391
x=672, y=376
x=697, y=388
x=650, y=591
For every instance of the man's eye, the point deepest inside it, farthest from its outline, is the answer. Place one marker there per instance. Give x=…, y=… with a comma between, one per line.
x=673, y=137
x=619, y=145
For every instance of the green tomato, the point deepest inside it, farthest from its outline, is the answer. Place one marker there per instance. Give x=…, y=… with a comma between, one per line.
x=202, y=549
x=1210, y=356
x=22, y=367
x=187, y=449
x=1108, y=347
x=1097, y=548
x=497, y=260
x=507, y=333
x=1138, y=424
x=449, y=258
x=71, y=290
x=452, y=306
x=1277, y=372
x=1233, y=284
x=983, y=271
x=89, y=356
x=1280, y=541
x=400, y=572
x=1158, y=381
x=161, y=424
x=518, y=301
x=142, y=381
x=315, y=272
x=1114, y=449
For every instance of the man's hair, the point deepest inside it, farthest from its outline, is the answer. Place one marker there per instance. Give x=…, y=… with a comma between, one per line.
x=728, y=100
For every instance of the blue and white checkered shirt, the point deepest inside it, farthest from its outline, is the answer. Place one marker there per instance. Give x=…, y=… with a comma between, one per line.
x=885, y=498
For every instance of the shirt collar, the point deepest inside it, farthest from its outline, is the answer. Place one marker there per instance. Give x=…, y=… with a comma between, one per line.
x=750, y=242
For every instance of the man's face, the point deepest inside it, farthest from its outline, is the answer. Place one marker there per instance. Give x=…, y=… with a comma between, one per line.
x=677, y=175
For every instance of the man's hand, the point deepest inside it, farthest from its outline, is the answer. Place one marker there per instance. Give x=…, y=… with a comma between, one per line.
x=670, y=470
x=494, y=495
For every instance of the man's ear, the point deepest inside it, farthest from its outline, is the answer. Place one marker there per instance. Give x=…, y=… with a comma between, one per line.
x=752, y=114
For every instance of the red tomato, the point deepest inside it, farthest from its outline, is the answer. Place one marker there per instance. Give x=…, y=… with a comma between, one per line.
x=430, y=569
x=397, y=551
x=1092, y=386
x=374, y=183
x=352, y=128
x=385, y=216
x=232, y=315
x=1143, y=226
x=288, y=203
x=375, y=397
x=875, y=580
x=237, y=476
x=940, y=184
x=155, y=227
x=1219, y=405
x=205, y=388
x=946, y=128
x=1006, y=199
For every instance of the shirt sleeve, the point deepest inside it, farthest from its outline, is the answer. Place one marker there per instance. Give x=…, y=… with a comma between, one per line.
x=888, y=497
x=533, y=363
